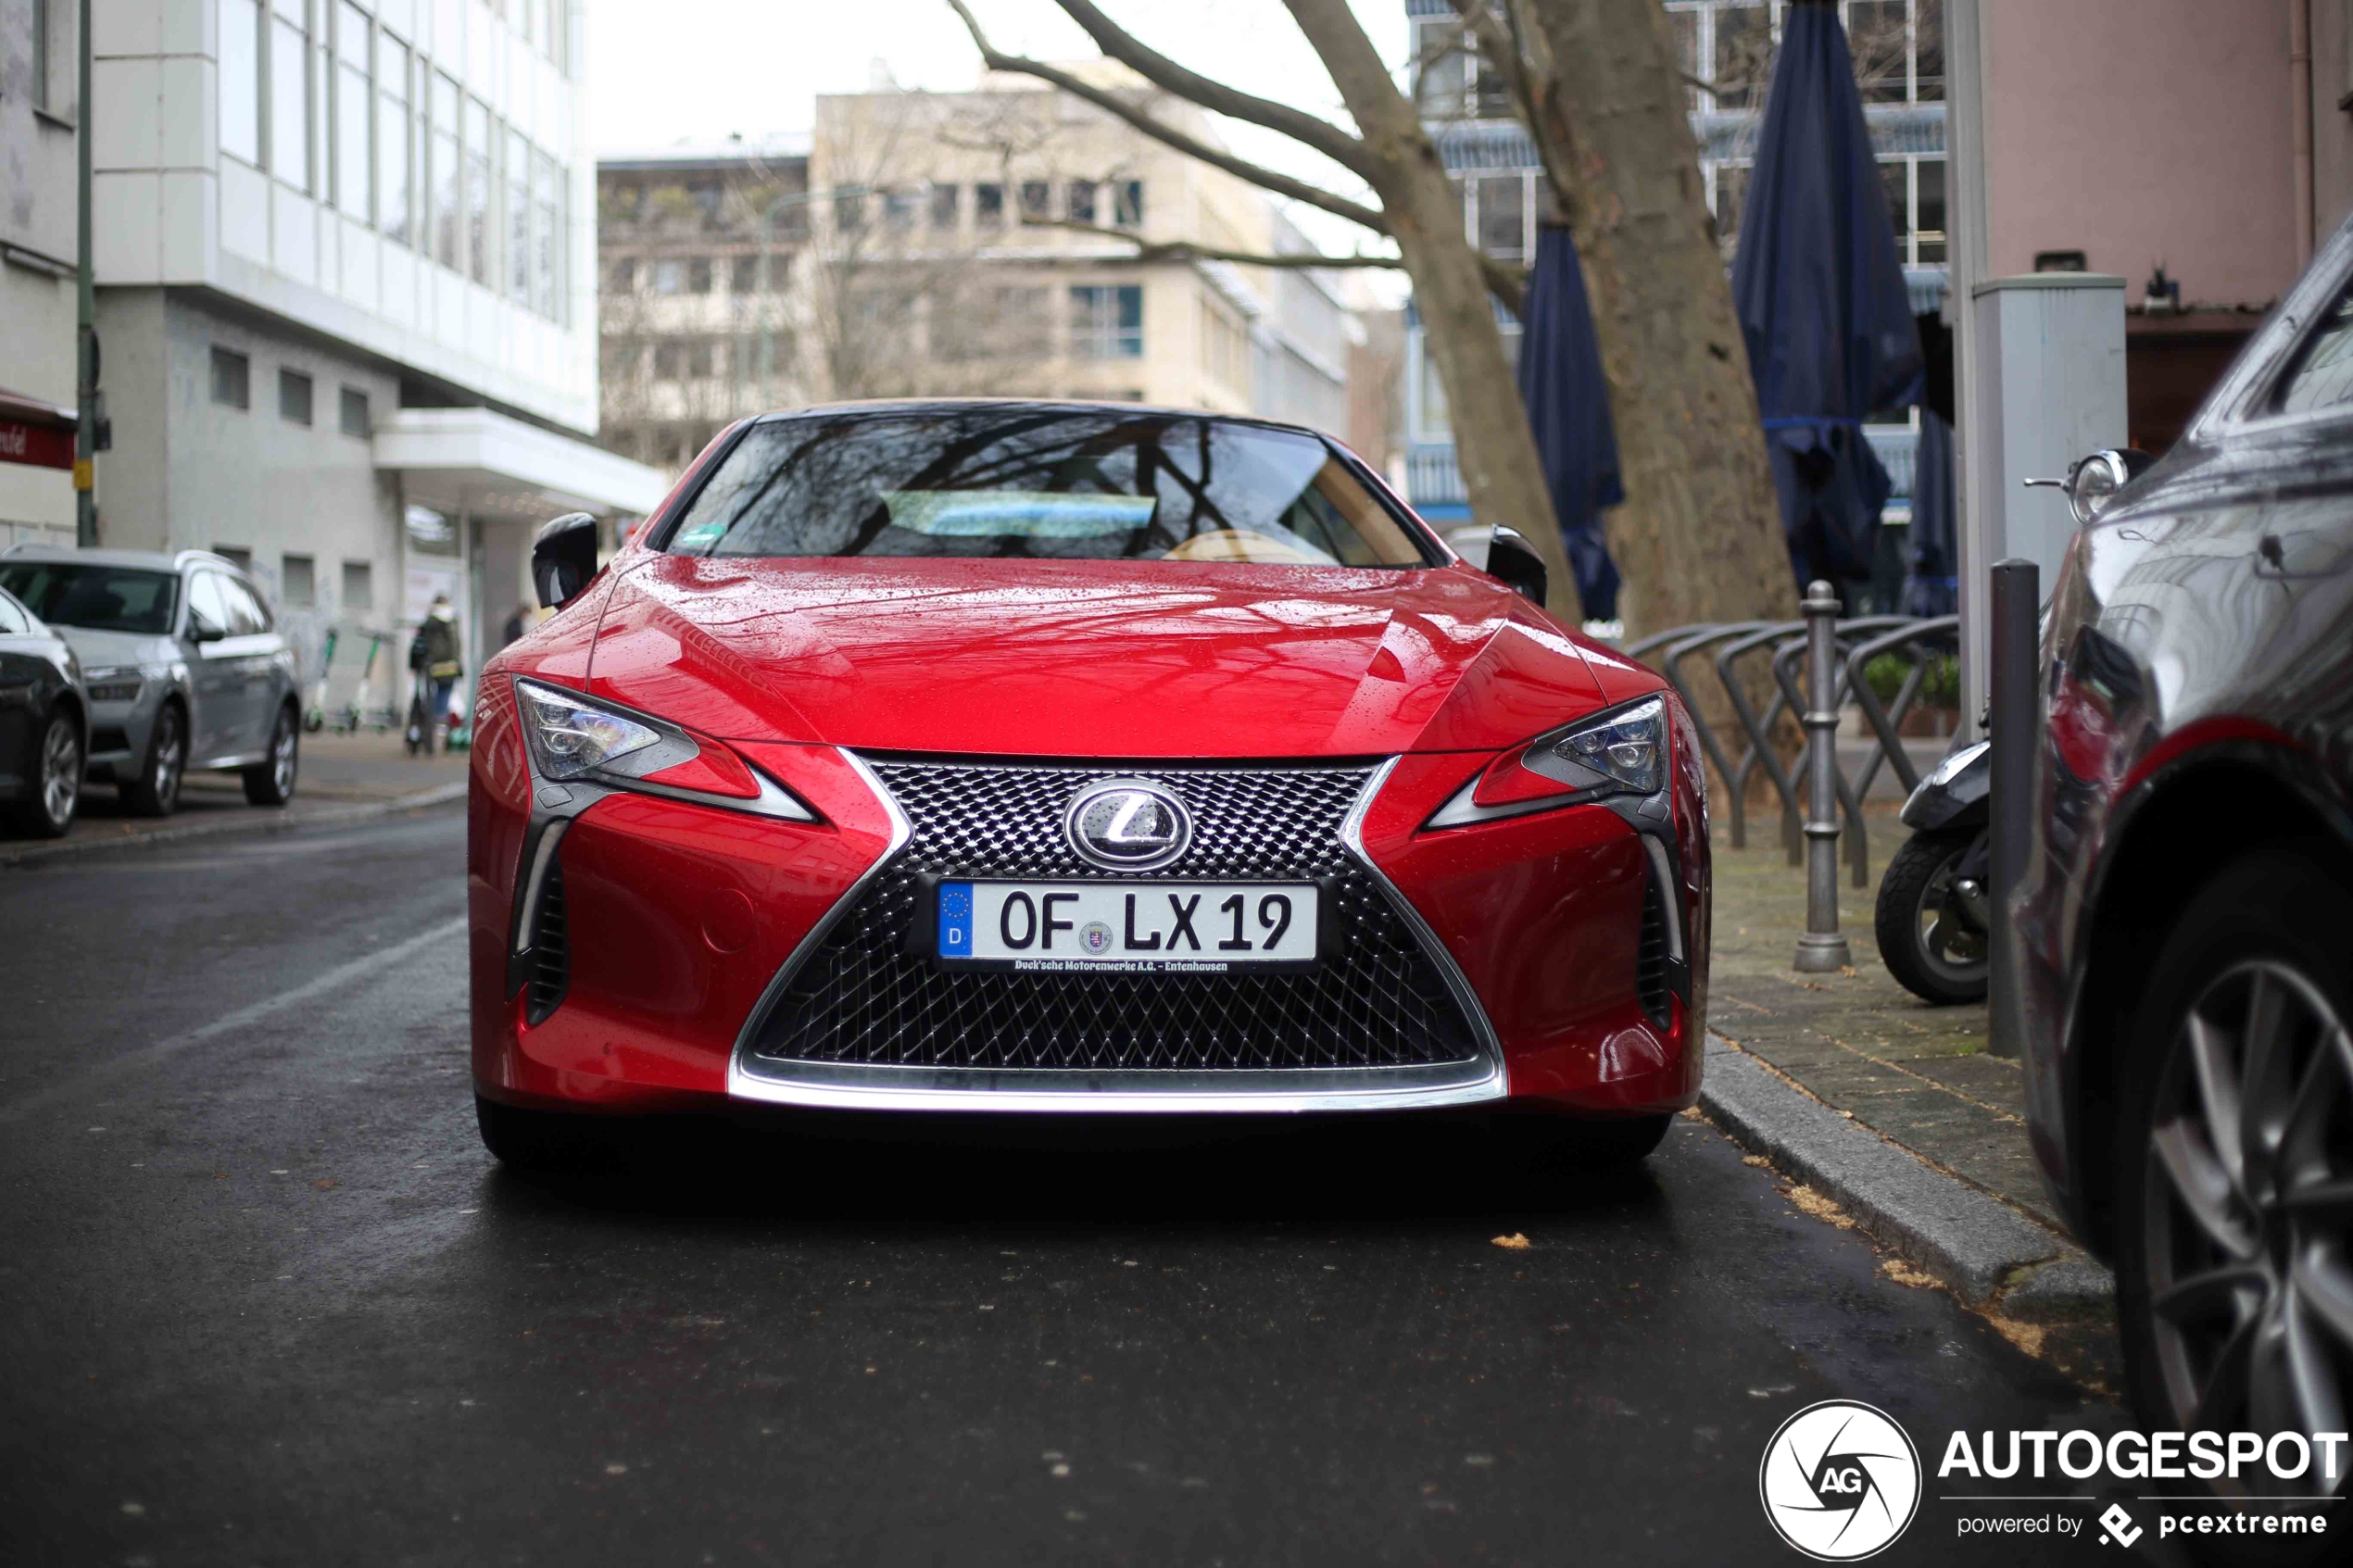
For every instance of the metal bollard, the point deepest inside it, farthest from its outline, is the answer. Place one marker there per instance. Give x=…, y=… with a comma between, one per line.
x=2012, y=653
x=1821, y=949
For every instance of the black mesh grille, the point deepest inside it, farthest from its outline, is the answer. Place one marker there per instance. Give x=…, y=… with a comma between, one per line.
x=862, y=998
x=1652, y=986
x=549, y=959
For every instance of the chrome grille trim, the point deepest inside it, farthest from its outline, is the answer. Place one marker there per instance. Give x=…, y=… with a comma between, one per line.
x=1089, y=1090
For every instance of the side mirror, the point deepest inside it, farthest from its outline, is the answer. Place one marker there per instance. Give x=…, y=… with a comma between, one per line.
x=1513, y=558
x=563, y=557
x=201, y=631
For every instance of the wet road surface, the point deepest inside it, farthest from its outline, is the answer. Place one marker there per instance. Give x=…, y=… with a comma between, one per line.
x=265, y=1299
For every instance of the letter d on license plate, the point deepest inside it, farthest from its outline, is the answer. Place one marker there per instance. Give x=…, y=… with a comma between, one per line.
x=1151, y=927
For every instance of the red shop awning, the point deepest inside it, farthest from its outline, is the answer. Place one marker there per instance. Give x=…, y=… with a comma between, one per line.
x=34, y=431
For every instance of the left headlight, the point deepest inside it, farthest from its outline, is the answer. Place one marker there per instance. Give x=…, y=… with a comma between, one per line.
x=1621, y=751
x=120, y=683
x=578, y=739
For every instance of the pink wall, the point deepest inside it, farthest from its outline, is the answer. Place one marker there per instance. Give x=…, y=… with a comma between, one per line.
x=2145, y=131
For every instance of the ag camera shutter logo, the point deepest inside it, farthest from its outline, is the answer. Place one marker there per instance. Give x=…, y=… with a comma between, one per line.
x=1841, y=1481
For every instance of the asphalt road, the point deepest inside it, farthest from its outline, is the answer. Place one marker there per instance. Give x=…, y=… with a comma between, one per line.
x=265, y=1299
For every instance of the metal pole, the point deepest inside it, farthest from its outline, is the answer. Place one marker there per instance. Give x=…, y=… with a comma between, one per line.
x=86, y=437
x=2016, y=605
x=1821, y=949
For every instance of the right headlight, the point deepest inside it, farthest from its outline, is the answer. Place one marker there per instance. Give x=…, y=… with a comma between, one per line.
x=1621, y=751
x=574, y=739
x=120, y=683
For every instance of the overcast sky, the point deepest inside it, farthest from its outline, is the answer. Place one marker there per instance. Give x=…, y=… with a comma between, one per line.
x=666, y=72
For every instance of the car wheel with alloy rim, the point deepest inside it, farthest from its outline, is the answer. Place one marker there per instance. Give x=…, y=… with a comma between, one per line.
x=155, y=791
x=272, y=782
x=54, y=778
x=2236, y=1166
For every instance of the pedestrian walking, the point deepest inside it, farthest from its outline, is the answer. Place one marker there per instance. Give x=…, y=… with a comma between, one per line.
x=432, y=658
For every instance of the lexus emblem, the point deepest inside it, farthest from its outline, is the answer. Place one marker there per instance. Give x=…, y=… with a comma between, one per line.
x=1127, y=825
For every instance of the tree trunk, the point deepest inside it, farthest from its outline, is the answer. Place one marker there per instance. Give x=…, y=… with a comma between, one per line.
x=1502, y=473
x=1699, y=538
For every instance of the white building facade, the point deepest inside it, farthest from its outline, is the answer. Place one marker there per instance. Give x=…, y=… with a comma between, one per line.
x=37, y=121
x=345, y=251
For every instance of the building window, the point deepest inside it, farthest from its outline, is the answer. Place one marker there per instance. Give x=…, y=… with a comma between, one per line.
x=1081, y=201
x=40, y=52
x=943, y=205
x=358, y=585
x=354, y=415
x=1502, y=224
x=1107, y=322
x=394, y=209
x=1128, y=204
x=241, y=79
x=518, y=197
x=743, y=275
x=294, y=397
x=1431, y=420
x=232, y=378
x=441, y=175
x=298, y=581
x=988, y=206
x=622, y=277
x=478, y=230
x=899, y=208
x=1037, y=201
x=353, y=98
x=699, y=275
x=670, y=276
x=549, y=200
x=290, y=95
x=1450, y=79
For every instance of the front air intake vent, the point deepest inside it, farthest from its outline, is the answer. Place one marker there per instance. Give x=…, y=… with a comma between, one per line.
x=1651, y=984
x=549, y=962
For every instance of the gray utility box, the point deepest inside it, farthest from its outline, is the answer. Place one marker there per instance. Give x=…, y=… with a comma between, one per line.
x=2048, y=364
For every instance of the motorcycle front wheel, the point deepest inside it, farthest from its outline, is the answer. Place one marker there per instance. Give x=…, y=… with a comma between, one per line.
x=1926, y=937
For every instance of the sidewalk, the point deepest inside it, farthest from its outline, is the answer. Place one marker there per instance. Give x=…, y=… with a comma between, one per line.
x=341, y=776
x=1916, y=1075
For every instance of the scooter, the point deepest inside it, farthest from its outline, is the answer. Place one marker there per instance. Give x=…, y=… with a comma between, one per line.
x=1932, y=917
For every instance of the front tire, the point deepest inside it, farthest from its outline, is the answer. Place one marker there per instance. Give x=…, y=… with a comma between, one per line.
x=2235, y=1160
x=55, y=777
x=272, y=782
x=156, y=791
x=1931, y=949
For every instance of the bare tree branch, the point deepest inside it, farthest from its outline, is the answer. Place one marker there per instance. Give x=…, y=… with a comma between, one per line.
x=1161, y=72
x=1111, y=103
x=1186, y=250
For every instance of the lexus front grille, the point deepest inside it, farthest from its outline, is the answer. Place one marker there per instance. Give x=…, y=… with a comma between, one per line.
x=859, y=998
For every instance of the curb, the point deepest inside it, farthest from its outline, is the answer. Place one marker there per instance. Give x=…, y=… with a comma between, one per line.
x=276, y=822
x=1987, y=1252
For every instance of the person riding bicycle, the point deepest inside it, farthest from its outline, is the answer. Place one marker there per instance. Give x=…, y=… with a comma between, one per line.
x=434, y=656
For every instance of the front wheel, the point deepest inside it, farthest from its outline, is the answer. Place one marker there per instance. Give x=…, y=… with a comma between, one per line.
x=2235, y=1163
x=54, y=778
x=1929, y=935
x=271, y=780
x=156, y=789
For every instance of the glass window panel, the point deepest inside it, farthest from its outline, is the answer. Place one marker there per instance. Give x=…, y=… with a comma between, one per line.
x=1442, y=69
x=392, y=185
x=547, y=244
x=1877, y=35
x=1895, y=176
x=1127, y=210
x=289, y=104
x=1686, y=25
x=299, y=581
x=353, y=98
x=1503, y=215
x=442, y=174
x=1929, y=210
x=943, y=206
x=2324, y=373
x=294, y=397
x=353, y=415
x=479, y=236
x=1082, y=201
x=241, y=79
x=1928, y=50
x=1743, y=57
x=1107, y=322
x=988, y=204
x=1435, y=419
x=1037, y=199
x=518, y=218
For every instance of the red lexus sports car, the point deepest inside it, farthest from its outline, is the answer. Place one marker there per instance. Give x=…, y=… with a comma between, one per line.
x=1058, y=757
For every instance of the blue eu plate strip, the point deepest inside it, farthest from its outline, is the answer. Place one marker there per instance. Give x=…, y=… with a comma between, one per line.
x=955, y=920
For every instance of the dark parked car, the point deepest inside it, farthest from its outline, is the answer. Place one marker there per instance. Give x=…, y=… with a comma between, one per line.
x=2186, y=923
x=45, y=724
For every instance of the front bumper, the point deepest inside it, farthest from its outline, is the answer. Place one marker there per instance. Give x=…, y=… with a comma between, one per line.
x=686, y=928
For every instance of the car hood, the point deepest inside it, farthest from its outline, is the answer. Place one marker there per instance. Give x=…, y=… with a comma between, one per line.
x=103, y=650
x=1087, y=659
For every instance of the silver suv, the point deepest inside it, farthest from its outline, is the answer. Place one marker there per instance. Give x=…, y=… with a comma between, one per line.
x=184, y=667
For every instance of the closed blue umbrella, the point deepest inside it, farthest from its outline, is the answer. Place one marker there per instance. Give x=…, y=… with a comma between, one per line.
x=1560, y=379
x=1932, y=586
x=1821, y=300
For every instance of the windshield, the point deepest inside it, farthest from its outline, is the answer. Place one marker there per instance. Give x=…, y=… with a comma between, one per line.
x=100, y=599
x=1048, y=484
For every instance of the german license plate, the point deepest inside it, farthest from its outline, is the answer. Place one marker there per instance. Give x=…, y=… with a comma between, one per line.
x=1151, y=927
